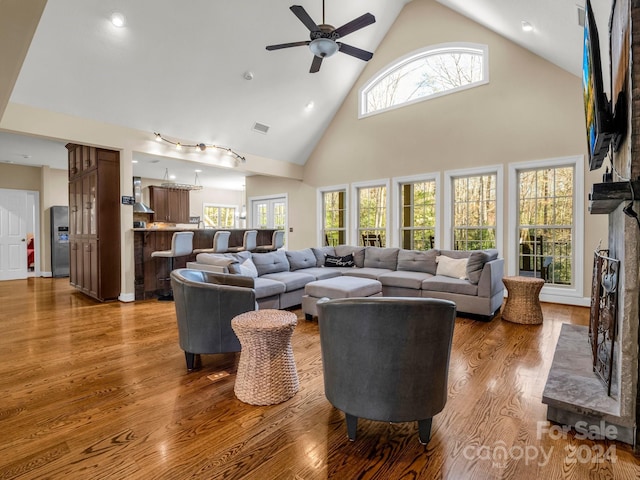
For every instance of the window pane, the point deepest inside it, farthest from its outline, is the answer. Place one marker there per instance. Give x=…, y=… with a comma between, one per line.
x=334, y=217
x=372, y=214
x=474, y=214
x=546, y=224
x=417, y=228
x=433, y=72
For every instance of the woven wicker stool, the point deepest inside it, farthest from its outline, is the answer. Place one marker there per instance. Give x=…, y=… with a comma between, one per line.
x=266, y=371
x=523, y=303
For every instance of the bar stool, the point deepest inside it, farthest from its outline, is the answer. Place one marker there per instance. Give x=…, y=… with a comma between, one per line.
x=181, y=245
x=248, y=242
x=277, y=241
x=220, y=243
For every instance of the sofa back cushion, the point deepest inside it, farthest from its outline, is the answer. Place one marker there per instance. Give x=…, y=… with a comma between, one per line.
x=380, y=257
x=271, y=262
x=321, y=252
x=418, y=260
x=477, y=259
x=358, y=253
x=301, y=259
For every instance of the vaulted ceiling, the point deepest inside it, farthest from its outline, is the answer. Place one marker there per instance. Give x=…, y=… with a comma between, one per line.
x=198, y=71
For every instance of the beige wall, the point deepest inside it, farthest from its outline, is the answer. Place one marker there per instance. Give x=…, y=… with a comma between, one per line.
x=530, y=110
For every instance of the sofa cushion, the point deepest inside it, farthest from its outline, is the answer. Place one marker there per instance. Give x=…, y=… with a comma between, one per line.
x=291, y=280
x=265, y=287
x=366, y=272
x=379, y=257
x=335, y=261
x=418, y=260
x=452, y=267
x=358, y=253
x=440, y=283
x=300, y=259
x=404, y=279
x=320, y=252
x=271, y=262
x=321, y=273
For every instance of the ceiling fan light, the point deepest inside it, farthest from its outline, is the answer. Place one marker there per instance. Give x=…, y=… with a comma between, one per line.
x=323, y=47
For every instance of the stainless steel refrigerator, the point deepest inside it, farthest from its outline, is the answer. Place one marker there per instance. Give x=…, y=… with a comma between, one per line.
x=60, y=241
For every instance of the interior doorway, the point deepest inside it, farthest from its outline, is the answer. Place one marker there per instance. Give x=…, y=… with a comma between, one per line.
x=18, y=234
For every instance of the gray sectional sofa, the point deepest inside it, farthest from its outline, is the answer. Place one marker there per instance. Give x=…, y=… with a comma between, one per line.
x=471, y=279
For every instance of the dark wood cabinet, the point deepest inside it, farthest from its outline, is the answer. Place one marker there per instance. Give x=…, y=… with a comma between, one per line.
x=170, y=205
x=94, y=221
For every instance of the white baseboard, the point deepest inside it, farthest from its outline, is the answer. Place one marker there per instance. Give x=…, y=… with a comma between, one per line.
x=127, y=297
x=46, y=274
x=566, y=300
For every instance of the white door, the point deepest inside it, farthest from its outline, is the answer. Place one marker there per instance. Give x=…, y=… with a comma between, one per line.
x=13, y=234
x=269, y=213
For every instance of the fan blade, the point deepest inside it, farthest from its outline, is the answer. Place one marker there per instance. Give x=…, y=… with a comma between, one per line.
x=304, y=17
x=315, y=65
x=287, y=45
x=355, y=24
x=355, y=52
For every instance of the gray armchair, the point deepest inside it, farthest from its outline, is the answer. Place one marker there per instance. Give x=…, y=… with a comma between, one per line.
x=204, y=309
x=386, y=359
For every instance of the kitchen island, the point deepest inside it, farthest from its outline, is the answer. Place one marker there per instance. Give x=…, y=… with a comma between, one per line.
x=151, y=273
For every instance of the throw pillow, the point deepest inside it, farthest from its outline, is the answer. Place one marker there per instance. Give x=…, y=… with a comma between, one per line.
x=334, y=261
x=452, y=267
x=248, y=268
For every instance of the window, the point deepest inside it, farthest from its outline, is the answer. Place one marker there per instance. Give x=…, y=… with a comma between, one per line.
x=218, y=216
x=418, y=209
x=372, y=214
x=473, y=209
x=545, y=223
x=426, y=73
x=334, y=216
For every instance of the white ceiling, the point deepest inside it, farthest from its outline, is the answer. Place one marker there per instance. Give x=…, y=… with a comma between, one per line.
x=178, y=68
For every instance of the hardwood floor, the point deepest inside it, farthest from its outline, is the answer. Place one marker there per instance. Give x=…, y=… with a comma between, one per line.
x=91, y=391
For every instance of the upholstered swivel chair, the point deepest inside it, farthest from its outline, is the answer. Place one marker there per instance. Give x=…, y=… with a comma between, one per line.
x=277, y=241
x=204, y=309
x=386, y=359
x=220, y=243
x=181, y=245
x=248, y=242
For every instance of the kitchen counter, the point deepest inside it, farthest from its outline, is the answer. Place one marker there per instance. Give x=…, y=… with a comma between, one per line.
x=151, y=274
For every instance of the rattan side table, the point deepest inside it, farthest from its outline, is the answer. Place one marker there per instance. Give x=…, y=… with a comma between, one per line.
x=523, y=302
x=266, y=370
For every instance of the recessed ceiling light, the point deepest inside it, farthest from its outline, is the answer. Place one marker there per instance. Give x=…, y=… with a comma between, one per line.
x=134, y=161
x=309, y=105
x=118, y=19
x=198, y=171
x=527, y=27
x=248, y=75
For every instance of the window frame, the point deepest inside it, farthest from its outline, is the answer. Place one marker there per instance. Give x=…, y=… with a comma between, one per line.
x=397, y=182
x=320, y=211
x=551, y=292
x=414, y=55
x=449, y=176
x=355, y=226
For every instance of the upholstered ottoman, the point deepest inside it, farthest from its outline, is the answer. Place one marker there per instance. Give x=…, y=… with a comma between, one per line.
x=339, y=287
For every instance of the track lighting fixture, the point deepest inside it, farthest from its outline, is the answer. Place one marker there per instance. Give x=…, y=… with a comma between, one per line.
x=201, y=147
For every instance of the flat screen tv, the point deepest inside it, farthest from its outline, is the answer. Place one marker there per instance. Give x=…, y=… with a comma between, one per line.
x=597, y=108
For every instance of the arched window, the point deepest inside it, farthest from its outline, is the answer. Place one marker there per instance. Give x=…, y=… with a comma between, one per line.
x=426, y=73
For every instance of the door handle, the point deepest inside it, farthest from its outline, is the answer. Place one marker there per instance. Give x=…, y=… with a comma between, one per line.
x=24, y=239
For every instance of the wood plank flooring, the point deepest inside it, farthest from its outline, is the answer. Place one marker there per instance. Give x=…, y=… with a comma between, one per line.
x=101, y=391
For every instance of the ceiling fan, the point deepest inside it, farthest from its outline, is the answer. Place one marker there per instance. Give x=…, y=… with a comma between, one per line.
x=323, y=42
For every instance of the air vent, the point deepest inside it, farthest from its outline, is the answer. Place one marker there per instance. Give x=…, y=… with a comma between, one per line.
x=580, y=15
x=260, y=128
